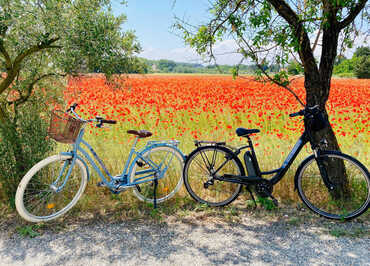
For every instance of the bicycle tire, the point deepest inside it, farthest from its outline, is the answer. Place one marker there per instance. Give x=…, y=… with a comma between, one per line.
x=345, y=203
x=195, y=179
x=169, y=184
x=34, y=180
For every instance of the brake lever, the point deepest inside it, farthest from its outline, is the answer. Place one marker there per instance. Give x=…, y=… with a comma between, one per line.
x=323, y=143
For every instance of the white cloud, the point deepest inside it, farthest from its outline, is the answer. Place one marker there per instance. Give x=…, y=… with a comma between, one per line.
x=225, y=52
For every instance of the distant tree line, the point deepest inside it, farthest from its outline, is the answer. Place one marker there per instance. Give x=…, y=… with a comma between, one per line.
x=169, y=66
x=358, y=66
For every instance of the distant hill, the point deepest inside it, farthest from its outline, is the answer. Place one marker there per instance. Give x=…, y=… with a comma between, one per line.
x=169, y=66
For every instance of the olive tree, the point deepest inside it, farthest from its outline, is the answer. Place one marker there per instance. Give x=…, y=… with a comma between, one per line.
x=40, y=41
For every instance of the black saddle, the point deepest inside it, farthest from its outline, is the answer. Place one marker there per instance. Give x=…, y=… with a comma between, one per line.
x=140, y=133
x=243, y=132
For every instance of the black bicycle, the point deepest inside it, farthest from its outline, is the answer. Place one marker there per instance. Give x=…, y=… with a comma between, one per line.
x=330, y=183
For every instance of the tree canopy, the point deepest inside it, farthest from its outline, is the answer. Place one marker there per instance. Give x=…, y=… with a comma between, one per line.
x=40, y=39
x=278, y=31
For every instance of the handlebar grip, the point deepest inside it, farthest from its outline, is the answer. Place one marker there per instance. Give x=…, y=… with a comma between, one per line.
x=294, y=114
x=108, y=121
x=300, y=113
x=72, y=107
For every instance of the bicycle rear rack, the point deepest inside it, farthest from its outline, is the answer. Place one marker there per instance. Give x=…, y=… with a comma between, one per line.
x=159, y=142
x=199, y=143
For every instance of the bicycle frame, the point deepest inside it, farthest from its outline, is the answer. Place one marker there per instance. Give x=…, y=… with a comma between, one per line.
x=280, y=172
x=124, y=179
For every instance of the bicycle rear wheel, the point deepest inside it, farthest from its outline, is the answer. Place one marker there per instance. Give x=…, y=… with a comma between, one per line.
x=351, y=194
x=42, y=196
x=170, y=164
x=199, y=175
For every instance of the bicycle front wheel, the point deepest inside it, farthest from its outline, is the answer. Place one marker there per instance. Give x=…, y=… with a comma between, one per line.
x=199, y=172
x=168, y=168
x=43, y=195
x=350, y=196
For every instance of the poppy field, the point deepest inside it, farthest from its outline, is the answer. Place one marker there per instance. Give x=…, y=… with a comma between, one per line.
x=188, y=107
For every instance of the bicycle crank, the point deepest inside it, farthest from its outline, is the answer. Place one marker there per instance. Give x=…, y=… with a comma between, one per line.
x=264, y=189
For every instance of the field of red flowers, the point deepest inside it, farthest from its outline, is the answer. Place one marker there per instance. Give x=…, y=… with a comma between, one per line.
x=188, y=107
x=200, y=105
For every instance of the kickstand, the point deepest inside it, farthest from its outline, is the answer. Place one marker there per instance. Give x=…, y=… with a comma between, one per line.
x=254, y=200
x=155, y=192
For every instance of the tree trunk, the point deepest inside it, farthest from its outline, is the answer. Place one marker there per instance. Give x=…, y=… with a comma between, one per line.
x=316, y=94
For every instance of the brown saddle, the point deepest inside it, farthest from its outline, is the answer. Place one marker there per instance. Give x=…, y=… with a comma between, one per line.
x=140, y=133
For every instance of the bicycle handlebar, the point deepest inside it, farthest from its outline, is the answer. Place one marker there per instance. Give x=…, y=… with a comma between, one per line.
x=109, y=121
x=307, y=111
x=300, y=113
x=72, y=107
x=98, y=119
x=102, y=121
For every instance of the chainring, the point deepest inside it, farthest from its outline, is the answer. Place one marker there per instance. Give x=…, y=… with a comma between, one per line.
x=264, y=188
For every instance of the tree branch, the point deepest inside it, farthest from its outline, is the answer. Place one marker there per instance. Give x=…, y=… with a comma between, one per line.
x=23, y=99
x=11, y=74
x=316, y=40
x=8, y=61
x=305, y=51
x=286, y=12
x=227, y=18
x=261, y=68
x=36, y=48
x=353, y=14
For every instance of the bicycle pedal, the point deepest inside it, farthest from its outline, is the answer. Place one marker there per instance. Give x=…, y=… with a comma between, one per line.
x=120, y=189
x=274, y=201
x=101, y=184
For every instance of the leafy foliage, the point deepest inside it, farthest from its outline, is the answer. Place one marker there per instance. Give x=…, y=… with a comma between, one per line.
x=20, y=149
x=294, y=68
x=362, y=51
x=278, y=31
x=40, y=41
x=362, y=68
x=358, y=65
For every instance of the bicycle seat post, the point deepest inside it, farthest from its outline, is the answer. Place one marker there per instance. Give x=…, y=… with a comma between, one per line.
x=135, y=142
x=254, y=156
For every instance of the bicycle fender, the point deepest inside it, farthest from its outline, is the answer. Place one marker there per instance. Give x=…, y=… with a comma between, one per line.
x=166, y=145
x=221, y=147
x=70, y=154
x=307, y=159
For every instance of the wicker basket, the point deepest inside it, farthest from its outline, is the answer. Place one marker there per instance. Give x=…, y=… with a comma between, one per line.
x=63, y=127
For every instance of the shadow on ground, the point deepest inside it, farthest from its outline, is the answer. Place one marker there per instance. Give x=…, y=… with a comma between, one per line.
x=187, y=243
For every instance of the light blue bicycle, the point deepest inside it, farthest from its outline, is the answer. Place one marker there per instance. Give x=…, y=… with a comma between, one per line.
x=55, y=184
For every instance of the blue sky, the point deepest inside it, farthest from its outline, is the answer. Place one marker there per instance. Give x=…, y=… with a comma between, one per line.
x=152, y=20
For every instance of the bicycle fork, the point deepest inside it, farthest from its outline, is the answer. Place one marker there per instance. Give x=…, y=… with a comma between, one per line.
x=68, y=163
x=323, y=171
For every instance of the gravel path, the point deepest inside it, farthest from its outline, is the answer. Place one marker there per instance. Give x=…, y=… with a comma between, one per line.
x=177, y=243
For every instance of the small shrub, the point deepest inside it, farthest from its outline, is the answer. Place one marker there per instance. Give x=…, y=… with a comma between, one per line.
x=362, y=67
x=345, y=75
x=22, y=145
x=295, y=68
